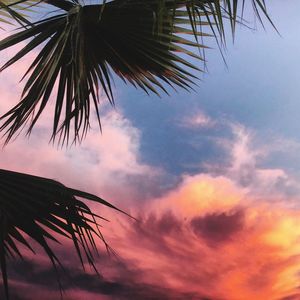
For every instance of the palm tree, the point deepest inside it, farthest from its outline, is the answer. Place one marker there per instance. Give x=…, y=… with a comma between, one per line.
x=145, y=42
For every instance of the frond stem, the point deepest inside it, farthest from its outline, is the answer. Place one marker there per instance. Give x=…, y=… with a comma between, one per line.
x=64, y=5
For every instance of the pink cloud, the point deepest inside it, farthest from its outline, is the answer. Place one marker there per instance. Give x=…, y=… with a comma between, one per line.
x=246, y=167
x=205, y=239
x=198, y=119
x=100, y=164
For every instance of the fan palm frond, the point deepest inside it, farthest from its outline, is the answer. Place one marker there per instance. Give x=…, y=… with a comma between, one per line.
x=138, y=40
x=43, y=209
x=16, y=10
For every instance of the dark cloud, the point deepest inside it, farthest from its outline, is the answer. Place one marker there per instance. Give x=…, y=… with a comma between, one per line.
x=292, y=297
x=128, y=282
x=152, y=232
x=28, y=280
x=166, y=224
x=218, y=227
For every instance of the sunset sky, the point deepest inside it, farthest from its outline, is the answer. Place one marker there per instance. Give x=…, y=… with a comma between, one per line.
x=213, y=177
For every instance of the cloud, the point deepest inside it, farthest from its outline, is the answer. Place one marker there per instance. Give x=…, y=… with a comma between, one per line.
x=197, y=241
x=229, y=249
x=198, y=119
x=104, y=164
x=239, y=251
x=40, y=281
x=219, y=227
x=247, y=167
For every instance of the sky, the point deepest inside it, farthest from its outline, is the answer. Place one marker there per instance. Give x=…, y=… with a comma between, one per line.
x=211, y=175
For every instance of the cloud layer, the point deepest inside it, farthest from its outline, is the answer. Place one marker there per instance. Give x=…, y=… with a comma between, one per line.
x=203, y=240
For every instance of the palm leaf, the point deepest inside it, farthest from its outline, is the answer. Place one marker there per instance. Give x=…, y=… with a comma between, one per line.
x=78, y=47
x=43, y=209
x=16, y=10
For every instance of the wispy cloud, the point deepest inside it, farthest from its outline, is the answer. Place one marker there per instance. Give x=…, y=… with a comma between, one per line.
x=197, y=119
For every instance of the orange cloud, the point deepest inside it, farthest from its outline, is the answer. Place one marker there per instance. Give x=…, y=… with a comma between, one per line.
x=206, y=239
x=202, y=240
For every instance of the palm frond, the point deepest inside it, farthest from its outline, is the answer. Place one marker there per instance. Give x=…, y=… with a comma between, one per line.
x=16, y=11
x=141, y=41
x=43, y=209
